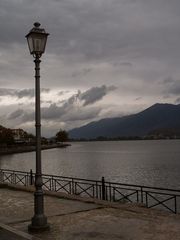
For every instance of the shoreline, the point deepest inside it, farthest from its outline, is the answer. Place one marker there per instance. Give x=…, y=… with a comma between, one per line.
x=23, y=149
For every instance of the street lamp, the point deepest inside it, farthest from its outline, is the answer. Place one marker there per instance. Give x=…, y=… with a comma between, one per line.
x=36, y=39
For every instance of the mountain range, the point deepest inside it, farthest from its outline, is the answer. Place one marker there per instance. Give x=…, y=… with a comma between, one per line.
x=159, y=116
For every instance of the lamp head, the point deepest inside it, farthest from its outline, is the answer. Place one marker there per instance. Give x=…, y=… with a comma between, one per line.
x=37, y=38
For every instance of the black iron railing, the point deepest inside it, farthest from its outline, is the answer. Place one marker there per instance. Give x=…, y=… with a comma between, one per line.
x=150, y=197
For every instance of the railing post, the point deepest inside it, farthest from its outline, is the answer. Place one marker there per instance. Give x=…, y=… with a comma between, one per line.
x=103, y=189
x=137, y=196
x=142, y=195
x=114, y=193
x=96, y=189
x=13, y=178
x=1, y=176
x=93, y=191
x=72, y=190
x=175, y=205
x=52, y=184
x=110, y=193
x=146, y=199
x=31, y=177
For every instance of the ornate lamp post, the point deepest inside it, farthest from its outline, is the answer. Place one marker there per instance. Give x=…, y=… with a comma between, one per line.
x=36, y=39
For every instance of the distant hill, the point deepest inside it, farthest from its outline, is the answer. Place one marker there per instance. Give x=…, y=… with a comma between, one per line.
x=158, y=116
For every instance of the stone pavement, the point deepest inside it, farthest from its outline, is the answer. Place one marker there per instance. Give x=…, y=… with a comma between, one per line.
x=84, y=220
x=9, y=233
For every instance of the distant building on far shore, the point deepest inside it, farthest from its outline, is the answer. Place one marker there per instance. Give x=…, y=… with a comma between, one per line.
x=21, y=136
x=18, y=134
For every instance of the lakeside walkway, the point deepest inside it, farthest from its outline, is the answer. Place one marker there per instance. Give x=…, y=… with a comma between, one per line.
x=75, y=218
x=24, y=149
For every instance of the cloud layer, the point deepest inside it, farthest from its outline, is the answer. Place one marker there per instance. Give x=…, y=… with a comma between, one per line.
x=68, y=112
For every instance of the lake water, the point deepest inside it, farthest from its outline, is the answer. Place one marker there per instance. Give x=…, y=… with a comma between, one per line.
x=152, y=163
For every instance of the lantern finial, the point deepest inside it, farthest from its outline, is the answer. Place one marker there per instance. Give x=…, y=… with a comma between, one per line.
x=37, y=24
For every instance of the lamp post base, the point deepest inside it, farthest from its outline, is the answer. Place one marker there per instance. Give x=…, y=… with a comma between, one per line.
x=38, y=224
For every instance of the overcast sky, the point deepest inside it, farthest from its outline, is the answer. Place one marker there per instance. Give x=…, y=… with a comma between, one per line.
x=104, y=58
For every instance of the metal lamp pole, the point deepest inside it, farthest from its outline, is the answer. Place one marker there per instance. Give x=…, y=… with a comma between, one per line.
x=37, y=41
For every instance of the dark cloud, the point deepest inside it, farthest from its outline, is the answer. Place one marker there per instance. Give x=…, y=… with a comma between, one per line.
x=175, y=88
x=83, y=114
x=98, y=30
x=62, y=93
x=172, y=86
x=122, y=64
x=16, y=114
x=47, y=102
x=95, y=94
x=53, y=111
x=90, y=32
x=177, y=101
x=29, y=93
x=168, y=80
x=81, y=73
x=6, y=92
x=138, y=98
x=126, y=64
x=25, y=93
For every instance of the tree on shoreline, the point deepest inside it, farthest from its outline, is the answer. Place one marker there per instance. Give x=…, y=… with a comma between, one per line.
x=61, y=136
x=6, y=136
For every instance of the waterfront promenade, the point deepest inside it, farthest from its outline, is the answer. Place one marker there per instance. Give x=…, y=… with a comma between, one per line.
x=75, y=218
x=30, y=148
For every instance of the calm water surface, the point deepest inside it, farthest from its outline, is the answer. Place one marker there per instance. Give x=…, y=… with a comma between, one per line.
x=152, y=163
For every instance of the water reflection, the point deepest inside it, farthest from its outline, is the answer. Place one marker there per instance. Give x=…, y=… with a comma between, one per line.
x=154, y=163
